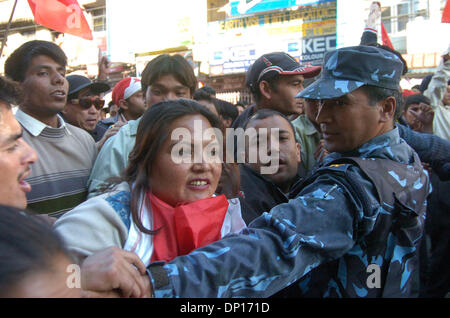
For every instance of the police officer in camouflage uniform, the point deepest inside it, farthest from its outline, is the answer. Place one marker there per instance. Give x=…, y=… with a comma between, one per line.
x=352, y=229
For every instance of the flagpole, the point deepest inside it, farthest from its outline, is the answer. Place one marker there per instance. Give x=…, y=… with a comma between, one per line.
x=7, y=28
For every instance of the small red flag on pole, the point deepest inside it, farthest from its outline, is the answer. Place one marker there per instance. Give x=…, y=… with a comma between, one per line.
x=385, y=37
x=64, y=16
x=446, y=13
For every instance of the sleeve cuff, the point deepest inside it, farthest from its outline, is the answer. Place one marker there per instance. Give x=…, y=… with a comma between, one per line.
x=159, y=280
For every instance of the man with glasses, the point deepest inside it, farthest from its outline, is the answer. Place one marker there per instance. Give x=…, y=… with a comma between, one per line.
x=84, y=103
x=59, y=179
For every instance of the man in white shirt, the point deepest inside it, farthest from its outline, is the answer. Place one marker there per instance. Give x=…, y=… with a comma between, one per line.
x=59, y=178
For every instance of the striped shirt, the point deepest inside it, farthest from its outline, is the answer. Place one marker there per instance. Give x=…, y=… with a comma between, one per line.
x=65, y=158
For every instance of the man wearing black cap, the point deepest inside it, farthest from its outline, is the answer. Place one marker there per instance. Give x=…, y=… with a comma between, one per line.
x=66, y=153
x=84, y=103
x=351, y=229
x=274, y=80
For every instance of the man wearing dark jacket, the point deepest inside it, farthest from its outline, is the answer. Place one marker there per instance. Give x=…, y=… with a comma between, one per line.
x=261, y=192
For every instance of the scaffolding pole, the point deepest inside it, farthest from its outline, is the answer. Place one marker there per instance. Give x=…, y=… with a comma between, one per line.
x=5, y=38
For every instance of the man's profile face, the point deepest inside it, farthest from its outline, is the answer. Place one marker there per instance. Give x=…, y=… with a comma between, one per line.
x=349, y=121
x=16, y=157
x=45, y=86
x=136, y=104
x=283, y=96
x=113, y=110
x=311, y=107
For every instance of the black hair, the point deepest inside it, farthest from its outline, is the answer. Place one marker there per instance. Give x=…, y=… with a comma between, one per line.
x=415, y=99
x=203, y=95
x=425, y=82
x=376, y=94
x=27, y=245
x=266, y=113
x=226, y=110
x=18, y=62
x=241, y=103
x=208, y=90
x=10, y=92
x=166, y=64
x=200, y=94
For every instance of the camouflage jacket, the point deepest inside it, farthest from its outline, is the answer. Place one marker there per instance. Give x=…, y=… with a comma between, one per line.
x=333, y=239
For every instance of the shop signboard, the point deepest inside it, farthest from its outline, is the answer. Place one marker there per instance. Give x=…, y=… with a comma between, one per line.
x=242, y=7
x=306, y=34
x=314, y=48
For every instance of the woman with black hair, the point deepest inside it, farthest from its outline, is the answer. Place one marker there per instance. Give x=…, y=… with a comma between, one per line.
x=166, y=203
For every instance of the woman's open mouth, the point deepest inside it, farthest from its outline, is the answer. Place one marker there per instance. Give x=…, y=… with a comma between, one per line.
x=198, y=184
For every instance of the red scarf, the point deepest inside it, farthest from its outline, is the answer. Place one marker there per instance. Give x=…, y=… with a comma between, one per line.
x=186, y=227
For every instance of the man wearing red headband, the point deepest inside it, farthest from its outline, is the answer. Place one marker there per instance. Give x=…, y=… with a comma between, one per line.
x=128, y=96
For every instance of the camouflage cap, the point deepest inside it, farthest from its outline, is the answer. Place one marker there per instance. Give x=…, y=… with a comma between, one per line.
x=349, y=68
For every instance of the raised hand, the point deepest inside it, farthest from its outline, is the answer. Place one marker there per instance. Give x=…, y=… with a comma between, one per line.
x=424, y=118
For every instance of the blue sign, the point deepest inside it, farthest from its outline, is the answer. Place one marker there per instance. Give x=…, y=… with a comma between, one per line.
x=240, y=7
x=314, y=48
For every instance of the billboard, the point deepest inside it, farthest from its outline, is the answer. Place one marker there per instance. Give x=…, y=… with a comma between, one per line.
x=314, y=48
x=306, y=34
x=242, y=7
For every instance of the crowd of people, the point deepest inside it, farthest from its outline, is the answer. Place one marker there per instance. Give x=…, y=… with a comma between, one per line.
x=161, y=199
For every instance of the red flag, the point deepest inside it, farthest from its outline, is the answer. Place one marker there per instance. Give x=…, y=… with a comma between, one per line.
x=385, y=37
x=446, y=13
x=65, y=16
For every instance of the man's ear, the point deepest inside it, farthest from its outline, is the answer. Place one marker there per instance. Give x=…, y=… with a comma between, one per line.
x=387, y=109
x=123, y=104
x=265, y=89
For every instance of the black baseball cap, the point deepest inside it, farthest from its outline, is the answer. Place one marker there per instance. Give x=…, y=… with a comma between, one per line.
x=79, y=82
x=349, y=68
x=271, y=64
